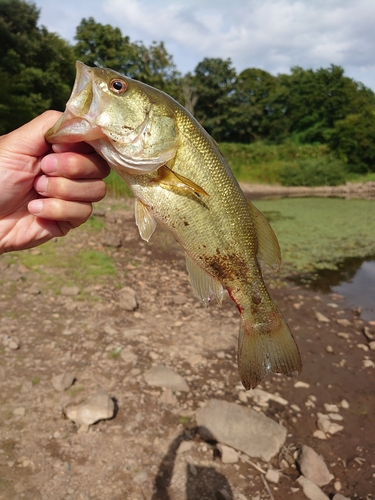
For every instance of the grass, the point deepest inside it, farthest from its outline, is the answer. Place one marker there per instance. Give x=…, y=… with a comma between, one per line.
x=258, y=163
x=116, y=186
x=319, y=233
x=264, y=163
x=85, y=266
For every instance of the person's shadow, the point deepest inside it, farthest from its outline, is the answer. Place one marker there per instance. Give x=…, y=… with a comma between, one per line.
x=203, y=483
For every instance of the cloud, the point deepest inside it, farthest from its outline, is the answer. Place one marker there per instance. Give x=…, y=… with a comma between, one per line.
x=272, y=34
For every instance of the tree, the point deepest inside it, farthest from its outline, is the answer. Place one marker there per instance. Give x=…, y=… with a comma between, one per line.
x=214, y=81
x=313, y=101
x=251, y=100
x=37, y=67
x=105, y=46
x=353, y=139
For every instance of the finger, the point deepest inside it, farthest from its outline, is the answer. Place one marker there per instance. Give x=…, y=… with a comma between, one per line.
x=73, y=213
x=89, y=190
x=29, y=139
x=77, y=147
x=75, y=166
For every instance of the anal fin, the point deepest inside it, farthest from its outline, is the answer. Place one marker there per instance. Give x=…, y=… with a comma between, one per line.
x=205, y=286
x=268, y=246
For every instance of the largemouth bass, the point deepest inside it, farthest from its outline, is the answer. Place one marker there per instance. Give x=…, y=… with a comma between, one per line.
x=181, y=180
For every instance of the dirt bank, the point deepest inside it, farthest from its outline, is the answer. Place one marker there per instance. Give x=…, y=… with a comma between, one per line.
x=349, y=190
x=133, y=456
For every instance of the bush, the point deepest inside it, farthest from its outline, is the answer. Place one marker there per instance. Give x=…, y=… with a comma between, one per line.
x=314, y=172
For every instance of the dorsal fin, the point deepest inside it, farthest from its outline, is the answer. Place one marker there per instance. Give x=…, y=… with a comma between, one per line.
x=205, y=286
x=268, y=246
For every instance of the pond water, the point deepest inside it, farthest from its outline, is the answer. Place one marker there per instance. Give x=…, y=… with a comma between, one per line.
x=329, y=221
x=355, y=280
x=360, y=290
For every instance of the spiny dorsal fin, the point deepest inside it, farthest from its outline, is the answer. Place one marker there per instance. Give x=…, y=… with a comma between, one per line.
x=144, y=220
x=172, y=180
x=268, y=246
x=205, y=286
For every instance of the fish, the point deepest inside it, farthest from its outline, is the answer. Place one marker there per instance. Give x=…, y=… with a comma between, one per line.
x=181, y=180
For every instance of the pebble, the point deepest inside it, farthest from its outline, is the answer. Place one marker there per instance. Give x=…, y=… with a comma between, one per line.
x=261, y=397
x=19, y=412
x=63, y=381
x=368, y=363
x=301, y=385
x=129, y=356
x=163, y=376
x=334, y=428
x=368, y=333
x=111, y=240
x=323, y=423
x=242, y=397
x=364, y=347
x=99, y=407
x=343, y=335
x=321, y=318
x=329, y=349
x=13, y=345
x=184, y=447
x=250, y=432
x=313, y=467
x=311, y=490
x=319, y=434
x=372, y=345
x=228, y=454
x=109, y=330
x=70, y=291
x=335, y=416
x=343, y=322
x=295, y=408
x=273, y=476
x=344, y=404
x=127, y=299
x=168, y=398
x=337, y=485
x=331, y=408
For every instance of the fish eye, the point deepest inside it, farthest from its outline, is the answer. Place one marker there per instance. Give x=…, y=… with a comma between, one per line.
x=118, y=86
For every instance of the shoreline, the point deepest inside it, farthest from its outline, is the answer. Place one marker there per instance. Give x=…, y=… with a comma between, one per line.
x=349, y=190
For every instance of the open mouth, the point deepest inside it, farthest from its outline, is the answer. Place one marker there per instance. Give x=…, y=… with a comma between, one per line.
x=77, y=122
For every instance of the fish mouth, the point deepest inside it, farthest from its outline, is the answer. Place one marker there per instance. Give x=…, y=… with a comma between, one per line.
x=77, y=123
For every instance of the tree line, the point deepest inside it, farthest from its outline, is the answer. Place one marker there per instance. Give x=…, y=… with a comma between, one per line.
x=307, y=106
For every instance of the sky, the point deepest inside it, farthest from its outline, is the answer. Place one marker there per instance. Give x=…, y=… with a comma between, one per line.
x=273, y=35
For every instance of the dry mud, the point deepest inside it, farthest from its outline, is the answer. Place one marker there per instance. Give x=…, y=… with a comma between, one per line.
x=43, y=456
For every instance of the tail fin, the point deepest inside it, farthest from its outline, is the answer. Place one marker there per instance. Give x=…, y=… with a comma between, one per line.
x=265, y=348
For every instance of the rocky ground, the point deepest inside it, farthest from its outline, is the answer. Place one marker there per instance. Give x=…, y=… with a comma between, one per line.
x=138, y=352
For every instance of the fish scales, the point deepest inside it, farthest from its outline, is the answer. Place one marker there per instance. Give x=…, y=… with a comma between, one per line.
x=181, y=180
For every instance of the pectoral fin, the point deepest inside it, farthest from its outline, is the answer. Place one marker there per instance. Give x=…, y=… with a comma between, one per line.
x=268, y=246
x=205, y=286
x=177, y=182
x=144, y=220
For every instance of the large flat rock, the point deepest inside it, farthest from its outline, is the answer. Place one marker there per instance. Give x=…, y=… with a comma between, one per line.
x=241, y=428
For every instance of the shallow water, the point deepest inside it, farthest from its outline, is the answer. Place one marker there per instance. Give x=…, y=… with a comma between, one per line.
x=359, y=291
x=355, y=280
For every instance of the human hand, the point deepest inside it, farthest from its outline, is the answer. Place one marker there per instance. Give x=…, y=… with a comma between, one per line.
x=45, y=190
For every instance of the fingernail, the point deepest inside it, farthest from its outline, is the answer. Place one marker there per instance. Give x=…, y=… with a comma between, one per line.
x=35, y=207
x=49, y=164
x=41, y=184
